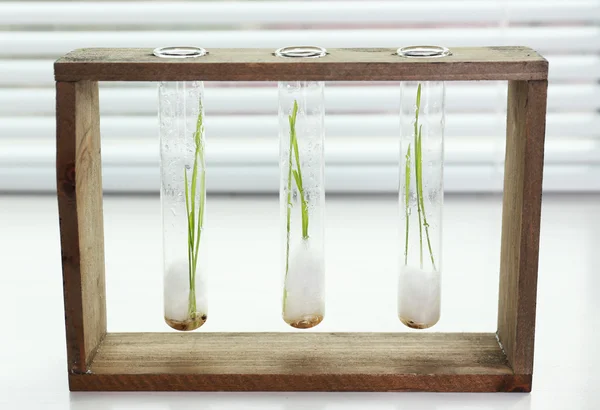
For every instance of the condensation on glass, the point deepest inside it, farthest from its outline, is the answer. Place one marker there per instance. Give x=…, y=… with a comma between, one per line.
x=183, y=199
x=421, y=195
x=302, y=194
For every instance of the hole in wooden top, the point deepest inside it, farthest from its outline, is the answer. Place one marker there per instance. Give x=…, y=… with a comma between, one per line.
x=423, y=51
x=179, y=52
x=301, y=52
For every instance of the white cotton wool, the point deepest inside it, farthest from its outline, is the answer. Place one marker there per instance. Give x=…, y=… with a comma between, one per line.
x=177, y=290
x=305, y=283
x=418, y=297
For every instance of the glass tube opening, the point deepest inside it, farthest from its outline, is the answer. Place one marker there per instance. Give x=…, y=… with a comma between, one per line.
x=179, y=52
x=301, y=52
x=423, y=51
x=302, y=201
x=421, y=200
x=183, y=200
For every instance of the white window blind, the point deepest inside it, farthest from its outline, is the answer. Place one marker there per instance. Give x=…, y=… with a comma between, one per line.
x=362, y=121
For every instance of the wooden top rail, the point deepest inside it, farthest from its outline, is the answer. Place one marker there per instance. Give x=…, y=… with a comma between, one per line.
x=349, y=64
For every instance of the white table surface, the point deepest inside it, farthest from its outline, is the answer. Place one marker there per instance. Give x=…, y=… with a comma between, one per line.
x=362, y=258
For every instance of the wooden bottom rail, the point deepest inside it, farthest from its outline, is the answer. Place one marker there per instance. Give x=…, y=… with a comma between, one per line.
x=444, y=362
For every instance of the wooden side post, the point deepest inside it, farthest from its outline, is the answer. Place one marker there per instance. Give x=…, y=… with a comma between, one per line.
x=79, y=187
x=526, y=122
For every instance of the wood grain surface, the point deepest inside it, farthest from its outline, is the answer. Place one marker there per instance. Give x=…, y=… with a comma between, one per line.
x=526, y=122
x=79, y=186
x=340, y=382
x=300, y=362
x=362, y=64
x=300, y=353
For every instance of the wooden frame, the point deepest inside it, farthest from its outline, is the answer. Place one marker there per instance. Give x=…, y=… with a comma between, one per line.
x=449, y=362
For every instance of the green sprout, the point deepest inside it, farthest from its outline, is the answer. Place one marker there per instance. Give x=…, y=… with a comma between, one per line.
x=195, y=214
x=297, y=174
x=406, y=204
x=418, y=131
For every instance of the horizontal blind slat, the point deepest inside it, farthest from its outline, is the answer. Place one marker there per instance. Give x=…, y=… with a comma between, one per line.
x=372, y=179
x=486, y=97
x=563, y=125
x=242, y=153
x=162, y=13
x=566, y=39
